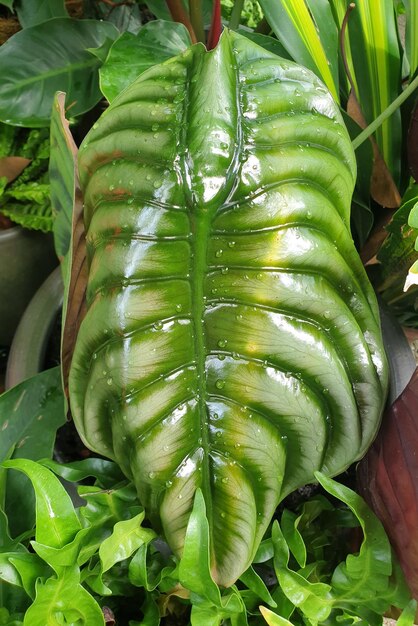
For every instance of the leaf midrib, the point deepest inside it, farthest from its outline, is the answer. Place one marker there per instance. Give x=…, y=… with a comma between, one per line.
x=68, y=69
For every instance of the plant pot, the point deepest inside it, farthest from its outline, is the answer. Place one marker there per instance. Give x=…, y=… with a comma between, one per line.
x=26, y=259
x=28, y=349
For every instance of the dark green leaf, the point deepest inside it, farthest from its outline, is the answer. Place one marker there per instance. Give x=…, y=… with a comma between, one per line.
x=149, y=573
x=362, y=220
x=253, y=581
x=37, y=11
x=265, y=41
x=106, y=473
x=126, y=18
x=56, y=520
x=151, y=614
x=398, y=251
x=159, y=9
x=59, y=46
x=131, y=55
x=30, y=414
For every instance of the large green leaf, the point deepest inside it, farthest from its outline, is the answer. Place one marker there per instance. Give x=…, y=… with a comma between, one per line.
x=30, y=415
x=50, y=57
x=31, y=12
x=232, y=340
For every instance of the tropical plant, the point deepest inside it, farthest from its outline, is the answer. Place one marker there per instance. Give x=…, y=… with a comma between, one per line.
x=24, y=184
x=180, y=291
x=203, y=222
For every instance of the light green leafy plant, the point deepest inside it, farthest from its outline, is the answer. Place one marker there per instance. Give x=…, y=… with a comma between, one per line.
x=100, y=554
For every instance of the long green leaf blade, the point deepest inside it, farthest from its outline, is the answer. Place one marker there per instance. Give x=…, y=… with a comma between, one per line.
x=411, y=35
x=310, y=43
x=376, y=60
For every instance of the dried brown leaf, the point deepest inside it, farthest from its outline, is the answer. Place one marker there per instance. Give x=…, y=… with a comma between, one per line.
x=382, y=186
x=12, y=166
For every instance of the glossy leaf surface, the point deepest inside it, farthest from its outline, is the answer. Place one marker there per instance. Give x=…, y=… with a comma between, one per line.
x=63, y=63
x=231, y=341
x=131, y=55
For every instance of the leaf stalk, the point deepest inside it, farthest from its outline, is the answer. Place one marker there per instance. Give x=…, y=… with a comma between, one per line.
x=371, y=128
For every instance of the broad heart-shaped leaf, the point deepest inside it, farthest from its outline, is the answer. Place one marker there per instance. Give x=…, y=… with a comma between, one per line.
x=232, y=339
x=63, y=63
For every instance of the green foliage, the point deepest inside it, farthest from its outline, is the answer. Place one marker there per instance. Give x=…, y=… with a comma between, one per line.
x=99, y=553
x=251, y=14
x=26, y=200
x=64, y=63
x=37, y=11
x=395, y=276
x=30, y=415
x=131, y=55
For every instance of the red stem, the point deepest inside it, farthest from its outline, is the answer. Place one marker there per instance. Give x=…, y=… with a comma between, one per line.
x=179, y=15
x=216, y=26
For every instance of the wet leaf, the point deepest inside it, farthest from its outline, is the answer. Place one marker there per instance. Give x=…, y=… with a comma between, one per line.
x=131, y=55
x=56, y=520
x=185, y=371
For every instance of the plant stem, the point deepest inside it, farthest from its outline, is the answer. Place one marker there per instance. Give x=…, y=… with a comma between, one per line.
x=196, y=18
x=235, y=18
x=216, y=26
x=370, y=129
x=179, y=15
